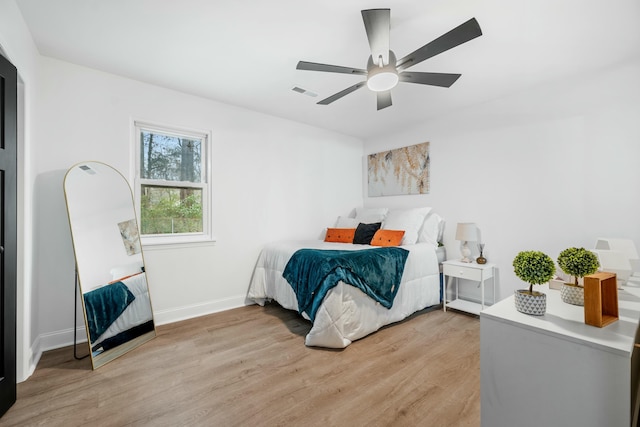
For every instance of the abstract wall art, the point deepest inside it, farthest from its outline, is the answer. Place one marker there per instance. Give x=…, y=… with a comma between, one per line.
x=130, y=237
x=400, y=171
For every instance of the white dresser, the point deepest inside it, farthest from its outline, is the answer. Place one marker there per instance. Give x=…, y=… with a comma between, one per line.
x=554, y=370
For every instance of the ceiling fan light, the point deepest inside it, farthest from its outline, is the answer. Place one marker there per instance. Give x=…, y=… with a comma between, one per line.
x=382, y=78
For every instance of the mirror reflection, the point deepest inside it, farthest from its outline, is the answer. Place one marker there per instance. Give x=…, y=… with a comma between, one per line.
x=109, y=260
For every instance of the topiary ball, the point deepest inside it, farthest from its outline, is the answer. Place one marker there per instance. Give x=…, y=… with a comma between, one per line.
x=578, y=262
x=534, y=267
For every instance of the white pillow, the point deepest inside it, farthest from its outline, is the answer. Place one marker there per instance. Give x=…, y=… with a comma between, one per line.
x=432, y=229
x=370, y=215
x=346, y=222
x=409, y=220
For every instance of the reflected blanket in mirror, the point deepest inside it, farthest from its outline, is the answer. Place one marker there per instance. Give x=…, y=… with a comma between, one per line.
x=104, y=305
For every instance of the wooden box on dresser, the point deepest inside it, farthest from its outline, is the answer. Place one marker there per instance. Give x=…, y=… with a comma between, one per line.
x=554, y=370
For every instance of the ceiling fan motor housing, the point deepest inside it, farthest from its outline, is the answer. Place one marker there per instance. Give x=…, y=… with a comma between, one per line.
x=381, y=77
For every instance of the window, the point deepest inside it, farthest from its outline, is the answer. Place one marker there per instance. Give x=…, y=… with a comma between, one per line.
x=173, y=191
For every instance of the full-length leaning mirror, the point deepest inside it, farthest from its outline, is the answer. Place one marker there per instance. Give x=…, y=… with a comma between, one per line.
x=109, y=261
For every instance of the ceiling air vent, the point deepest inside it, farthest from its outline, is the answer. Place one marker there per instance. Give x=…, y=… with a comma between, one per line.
x=304, y=91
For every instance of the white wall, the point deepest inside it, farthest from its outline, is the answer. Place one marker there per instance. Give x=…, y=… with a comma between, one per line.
x=272, y=179
x=545, y=169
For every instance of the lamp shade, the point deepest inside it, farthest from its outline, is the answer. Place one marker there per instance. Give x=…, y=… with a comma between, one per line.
x=614, y=262
x=467, y=232
x=626, y=246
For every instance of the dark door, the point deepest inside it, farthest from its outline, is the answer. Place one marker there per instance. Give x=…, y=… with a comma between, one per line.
x=8, y=232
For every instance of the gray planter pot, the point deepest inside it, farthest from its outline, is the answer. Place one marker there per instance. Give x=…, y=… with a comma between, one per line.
x=534, y=303
x=572, y=294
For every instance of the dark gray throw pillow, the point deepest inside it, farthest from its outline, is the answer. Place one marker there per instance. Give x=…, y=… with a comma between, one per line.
x=365, y=232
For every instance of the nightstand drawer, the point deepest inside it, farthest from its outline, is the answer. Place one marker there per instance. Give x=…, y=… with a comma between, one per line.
x=462, y=272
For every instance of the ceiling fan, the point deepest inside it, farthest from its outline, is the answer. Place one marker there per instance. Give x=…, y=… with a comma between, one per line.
x=384, y=71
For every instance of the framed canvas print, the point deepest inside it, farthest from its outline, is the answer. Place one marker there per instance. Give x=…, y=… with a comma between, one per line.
x=399, y=171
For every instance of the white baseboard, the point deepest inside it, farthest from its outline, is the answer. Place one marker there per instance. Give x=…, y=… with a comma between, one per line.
x=34, y=354
x=163, y=317
x=49, y=341
x=63, y=338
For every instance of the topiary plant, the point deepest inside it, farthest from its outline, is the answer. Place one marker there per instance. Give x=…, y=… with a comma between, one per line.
x=578, y=262
x=534, y=267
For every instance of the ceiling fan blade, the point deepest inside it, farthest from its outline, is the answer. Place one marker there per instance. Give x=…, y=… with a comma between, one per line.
x=432, y=79
x=342, y=93
x=384, y=99
x=314, y=66
x=459, y=35
x=377, y=23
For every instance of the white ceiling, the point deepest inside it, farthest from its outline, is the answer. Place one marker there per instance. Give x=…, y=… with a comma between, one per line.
x=244, y=52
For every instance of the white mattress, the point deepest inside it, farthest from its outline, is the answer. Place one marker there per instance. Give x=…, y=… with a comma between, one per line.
x=347, y=313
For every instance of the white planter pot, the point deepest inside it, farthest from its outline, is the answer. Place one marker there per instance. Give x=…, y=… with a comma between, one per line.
x=572, y=294
x=534, y=303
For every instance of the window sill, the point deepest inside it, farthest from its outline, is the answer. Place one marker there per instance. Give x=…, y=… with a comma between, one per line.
x=176, y=242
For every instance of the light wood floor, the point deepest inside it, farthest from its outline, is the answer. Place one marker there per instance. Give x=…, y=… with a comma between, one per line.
x=249, y=367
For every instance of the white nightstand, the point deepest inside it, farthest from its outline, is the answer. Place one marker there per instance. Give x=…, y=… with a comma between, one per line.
x=469, y=271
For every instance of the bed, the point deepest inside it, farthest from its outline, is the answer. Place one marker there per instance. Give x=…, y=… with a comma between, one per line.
x=118, y=312
x=346, y=312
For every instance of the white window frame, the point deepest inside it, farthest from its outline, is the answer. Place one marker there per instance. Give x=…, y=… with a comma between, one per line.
x=180, y=239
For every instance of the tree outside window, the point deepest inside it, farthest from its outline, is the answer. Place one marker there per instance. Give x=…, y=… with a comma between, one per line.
x=172, y=183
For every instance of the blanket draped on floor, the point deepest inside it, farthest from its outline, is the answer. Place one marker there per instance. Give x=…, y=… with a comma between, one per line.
x=376, y=272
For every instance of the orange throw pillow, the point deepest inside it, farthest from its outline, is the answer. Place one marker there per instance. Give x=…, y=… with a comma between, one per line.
x=387, y=238
x=340, y=235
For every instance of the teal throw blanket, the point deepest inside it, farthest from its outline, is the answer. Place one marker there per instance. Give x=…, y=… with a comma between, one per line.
x=376, y=272
x=104, y=305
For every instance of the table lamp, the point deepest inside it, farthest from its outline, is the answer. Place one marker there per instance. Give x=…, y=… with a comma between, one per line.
x=625, y=248
x=466, y=232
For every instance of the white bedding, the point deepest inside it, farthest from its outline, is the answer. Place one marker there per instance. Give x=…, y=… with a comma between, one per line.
x=136, y=313
x=347, y=313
